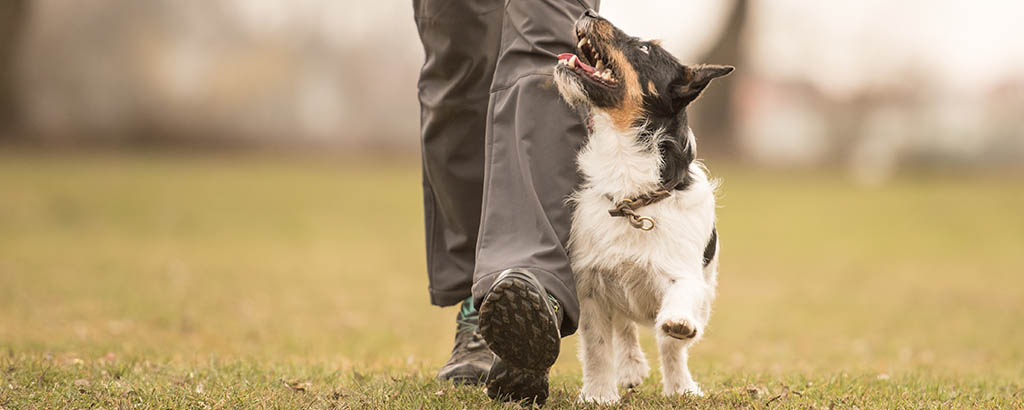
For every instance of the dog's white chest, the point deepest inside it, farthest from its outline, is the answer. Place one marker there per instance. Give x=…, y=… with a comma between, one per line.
x=628, y=269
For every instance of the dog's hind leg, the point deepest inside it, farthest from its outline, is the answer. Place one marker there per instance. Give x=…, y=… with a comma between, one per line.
x=596, y=353
x=629, y=357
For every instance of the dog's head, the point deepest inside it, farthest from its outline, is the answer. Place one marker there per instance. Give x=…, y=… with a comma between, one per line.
x=631, y=80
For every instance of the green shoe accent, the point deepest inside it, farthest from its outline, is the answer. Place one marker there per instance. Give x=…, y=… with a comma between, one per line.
x=471, y=360
x=555, y=304
x=468, y=318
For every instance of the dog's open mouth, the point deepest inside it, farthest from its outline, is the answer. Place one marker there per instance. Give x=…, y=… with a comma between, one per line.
x=589, y=63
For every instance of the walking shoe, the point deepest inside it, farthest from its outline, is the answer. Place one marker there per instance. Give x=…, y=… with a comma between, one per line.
x=471, y=359
x=520, y=323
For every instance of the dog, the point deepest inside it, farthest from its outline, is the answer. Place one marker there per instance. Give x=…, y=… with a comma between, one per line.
x=643, y=242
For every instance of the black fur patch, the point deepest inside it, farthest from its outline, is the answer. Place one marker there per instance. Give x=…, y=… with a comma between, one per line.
x=664, y=113
x=711, y=248
x=668, y=87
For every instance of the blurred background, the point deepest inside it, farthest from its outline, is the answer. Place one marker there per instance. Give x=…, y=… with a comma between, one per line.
x=181, y=177
x=871, y=85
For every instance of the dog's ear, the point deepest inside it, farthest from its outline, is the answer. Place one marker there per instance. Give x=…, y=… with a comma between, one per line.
x=693, y=81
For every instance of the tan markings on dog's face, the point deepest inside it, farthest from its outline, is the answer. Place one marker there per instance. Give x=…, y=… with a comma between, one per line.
x=604, y=29
x=651, y=88
x=626, y=114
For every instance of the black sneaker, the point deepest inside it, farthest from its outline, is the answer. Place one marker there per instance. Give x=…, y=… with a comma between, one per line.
x=520, y=323
x=471, y=359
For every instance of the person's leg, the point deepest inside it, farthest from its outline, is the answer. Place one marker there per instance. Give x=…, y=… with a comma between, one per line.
x=460, y=40
x=532, y=138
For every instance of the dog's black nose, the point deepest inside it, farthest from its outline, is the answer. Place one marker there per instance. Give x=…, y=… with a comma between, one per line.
x=590, y=13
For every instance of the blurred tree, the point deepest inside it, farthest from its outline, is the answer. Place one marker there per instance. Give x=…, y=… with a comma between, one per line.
x=715, y=122
x=13, y=14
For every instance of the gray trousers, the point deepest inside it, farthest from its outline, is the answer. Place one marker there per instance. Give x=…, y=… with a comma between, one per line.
x=498, y=145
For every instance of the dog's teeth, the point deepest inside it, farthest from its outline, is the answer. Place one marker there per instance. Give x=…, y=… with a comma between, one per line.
x=599, y=66
x=572, y=61
x=583, y=42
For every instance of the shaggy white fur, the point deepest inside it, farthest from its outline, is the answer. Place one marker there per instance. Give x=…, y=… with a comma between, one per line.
x=626, y=275
x=570, y=88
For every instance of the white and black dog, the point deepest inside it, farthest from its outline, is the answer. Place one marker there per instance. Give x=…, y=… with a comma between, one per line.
x=643, y=244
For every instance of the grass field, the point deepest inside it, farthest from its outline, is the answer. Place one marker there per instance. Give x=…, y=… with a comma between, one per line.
x=155, y=280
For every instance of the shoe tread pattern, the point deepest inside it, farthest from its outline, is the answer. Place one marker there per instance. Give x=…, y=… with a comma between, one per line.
x=517, y=325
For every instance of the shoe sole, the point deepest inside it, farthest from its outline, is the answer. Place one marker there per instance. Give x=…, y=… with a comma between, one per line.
x=518, y=324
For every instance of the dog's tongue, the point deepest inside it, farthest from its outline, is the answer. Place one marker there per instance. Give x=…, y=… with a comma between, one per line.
x=575, y=61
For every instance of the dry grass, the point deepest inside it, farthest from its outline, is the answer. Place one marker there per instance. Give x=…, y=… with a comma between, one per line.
x=252, y=281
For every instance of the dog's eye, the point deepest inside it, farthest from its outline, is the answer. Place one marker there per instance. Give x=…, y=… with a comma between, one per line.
x=645, y=49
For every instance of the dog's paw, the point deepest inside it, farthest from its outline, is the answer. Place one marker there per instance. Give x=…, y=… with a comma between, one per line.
x=633, y=371
x=691, y=389
x=606, y=396
x=680, y=328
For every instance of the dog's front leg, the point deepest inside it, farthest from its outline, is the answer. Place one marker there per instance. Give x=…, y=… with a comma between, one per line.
x=674, y=368
x=678, y=325
x=599, y=377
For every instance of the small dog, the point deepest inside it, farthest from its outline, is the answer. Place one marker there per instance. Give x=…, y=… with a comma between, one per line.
x=643, y=243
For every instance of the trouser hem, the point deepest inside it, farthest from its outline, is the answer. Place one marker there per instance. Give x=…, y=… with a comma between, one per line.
x=445, y=298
